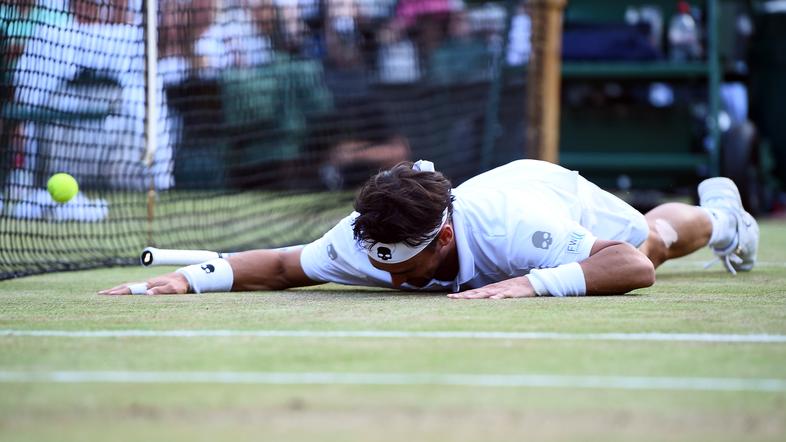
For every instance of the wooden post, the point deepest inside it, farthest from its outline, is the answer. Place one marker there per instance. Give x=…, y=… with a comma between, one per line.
x=544, y=78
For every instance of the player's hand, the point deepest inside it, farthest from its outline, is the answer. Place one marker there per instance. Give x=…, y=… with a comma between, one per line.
x=510, y=288
x=169, y=284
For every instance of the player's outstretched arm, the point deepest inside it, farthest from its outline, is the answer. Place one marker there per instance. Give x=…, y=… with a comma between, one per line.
x=613, y=267
x=251, y=270
x=269, y=270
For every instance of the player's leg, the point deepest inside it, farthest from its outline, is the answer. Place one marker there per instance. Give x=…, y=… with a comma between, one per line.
x=675, y=230
x=720, y=222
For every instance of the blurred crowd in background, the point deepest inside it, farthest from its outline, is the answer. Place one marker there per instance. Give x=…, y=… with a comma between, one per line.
x=273, y=90
x=73, y=84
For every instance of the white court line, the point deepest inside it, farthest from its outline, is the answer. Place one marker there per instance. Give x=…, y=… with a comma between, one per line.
x=467, y=380
x=682, y=262
x=662, y=337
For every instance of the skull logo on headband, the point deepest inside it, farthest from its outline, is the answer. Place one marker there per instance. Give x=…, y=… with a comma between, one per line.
x=384, y=253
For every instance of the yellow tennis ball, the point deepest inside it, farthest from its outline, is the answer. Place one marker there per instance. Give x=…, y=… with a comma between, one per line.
x=62, y=187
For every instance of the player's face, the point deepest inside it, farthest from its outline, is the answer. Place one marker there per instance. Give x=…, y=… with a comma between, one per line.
x=416, y=271
x=419, y=270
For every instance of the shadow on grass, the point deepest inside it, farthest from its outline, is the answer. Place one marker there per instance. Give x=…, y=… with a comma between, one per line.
x=357, y=292
x=369, y=293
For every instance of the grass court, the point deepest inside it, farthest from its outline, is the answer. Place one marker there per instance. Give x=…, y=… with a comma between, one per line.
x=699, y=356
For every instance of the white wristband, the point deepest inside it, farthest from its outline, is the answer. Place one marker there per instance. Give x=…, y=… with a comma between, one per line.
x=564, y=280
x=211, y=276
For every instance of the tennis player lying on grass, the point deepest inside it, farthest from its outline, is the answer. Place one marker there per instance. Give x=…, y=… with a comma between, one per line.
x=528, y=228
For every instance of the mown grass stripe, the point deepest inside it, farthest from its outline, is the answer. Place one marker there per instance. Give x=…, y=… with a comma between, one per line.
x=662, y=337
x=468, y=380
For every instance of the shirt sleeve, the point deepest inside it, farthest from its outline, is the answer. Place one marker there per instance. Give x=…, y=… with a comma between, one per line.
x=336, y=258
x=546, y=238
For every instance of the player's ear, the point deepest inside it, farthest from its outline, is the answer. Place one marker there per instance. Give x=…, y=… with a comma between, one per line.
x=446, y=235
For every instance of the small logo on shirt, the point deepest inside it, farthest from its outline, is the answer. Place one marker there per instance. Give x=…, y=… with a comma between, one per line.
x=542, y=240
x=574, y=244
x=331, y=251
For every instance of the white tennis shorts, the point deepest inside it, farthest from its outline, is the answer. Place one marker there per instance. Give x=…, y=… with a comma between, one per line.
x=609, y=217
x=600, y=212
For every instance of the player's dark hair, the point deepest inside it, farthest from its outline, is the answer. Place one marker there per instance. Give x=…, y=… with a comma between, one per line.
x=401, y=205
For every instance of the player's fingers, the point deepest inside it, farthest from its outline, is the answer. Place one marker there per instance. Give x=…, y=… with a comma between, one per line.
x=171, y=284
x=472, y=294
x=121, y=289
x=161, y=289
x=461, y=295
x=501, y=295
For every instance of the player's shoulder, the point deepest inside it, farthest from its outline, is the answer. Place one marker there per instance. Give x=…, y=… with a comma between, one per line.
x=343, y=230
x=496, y=201
x=516, y=172
x=338, y=241
x=502, y=212
x=491, y=211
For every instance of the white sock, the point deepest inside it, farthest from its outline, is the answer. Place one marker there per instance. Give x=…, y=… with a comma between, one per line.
x=724, y=228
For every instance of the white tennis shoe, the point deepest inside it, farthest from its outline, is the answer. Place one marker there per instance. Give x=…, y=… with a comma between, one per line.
x=740, y=254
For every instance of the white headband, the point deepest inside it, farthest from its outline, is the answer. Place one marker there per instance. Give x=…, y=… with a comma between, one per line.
x=401, y=251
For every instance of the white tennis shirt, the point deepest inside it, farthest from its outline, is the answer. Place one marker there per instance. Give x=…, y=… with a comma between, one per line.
x=525, y=215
